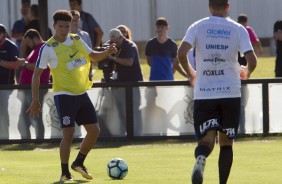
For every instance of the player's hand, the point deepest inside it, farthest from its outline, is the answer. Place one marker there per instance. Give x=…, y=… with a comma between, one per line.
x=35, y=109
x=244, y=73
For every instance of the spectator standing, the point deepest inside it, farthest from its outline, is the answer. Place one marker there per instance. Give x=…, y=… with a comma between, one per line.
x=34, y=42
x=278, y=39
x=243, y=19
x=161, y=54
x=18, y=29
x=69, y=60
x=217, y=83
x=8, y=58
x=33, y=23
x=8, y=63
x=89, y=24
x=76, y=30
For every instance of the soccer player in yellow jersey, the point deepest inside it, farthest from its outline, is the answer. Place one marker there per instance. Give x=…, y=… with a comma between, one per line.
x=68, y=58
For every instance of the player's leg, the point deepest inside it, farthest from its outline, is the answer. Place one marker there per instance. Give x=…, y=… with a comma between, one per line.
x=202, y=151
x=65, y=147
x=230, y=109
x=206, y=123
x=66, y=108
x=86, y=117
x=225, y=157
x=85, y=147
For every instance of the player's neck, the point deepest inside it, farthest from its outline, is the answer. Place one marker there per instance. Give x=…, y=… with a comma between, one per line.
x=59, y=38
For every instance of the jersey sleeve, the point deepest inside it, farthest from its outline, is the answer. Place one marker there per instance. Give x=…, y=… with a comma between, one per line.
x=244, y=41
x=44, y=56
x=88, y=49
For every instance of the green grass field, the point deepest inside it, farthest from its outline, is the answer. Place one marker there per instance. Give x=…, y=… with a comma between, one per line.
x=168, y=162
x=265, y=69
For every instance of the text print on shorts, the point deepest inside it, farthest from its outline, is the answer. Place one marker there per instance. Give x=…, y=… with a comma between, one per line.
x=212, y=123
x=76, y=63
x=66, y=120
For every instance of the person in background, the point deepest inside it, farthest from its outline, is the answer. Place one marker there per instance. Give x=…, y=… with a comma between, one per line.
x=8, y=58
x=89, y=24
x=161, y=54
x=126, y=32
x=243, y=19
x=68, y=58
x=18, y=29
x=277, y=30
x=76, y=30
x=34, y=42
x=8, y=63
x=127, y=65
x=33, y=23
x=217, y=83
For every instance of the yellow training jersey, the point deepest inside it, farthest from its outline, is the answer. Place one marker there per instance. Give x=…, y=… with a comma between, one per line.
x=72, y=71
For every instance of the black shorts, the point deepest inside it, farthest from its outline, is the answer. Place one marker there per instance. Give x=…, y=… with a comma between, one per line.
x=217, y=114
x=75, y=109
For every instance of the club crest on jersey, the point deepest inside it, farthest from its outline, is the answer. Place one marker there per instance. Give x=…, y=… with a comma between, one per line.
x=55, y=44
x=76, y=37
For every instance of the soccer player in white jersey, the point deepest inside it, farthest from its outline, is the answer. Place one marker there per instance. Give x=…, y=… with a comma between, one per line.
x=68, y=58
x=217, y=83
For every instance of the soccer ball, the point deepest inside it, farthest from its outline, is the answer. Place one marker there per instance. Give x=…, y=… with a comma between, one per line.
x=117, y=168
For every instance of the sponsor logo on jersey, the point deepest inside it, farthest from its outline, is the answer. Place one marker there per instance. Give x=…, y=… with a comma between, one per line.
x=216, y=46
x=211, y=123
x=221, y=90
x=215, y=59
x=218, y=33
x=213, y=72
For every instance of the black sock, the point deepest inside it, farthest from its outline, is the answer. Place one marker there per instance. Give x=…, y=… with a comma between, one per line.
x=80, y=159
x=224, y=163
x=202, y=150
x=65, y=169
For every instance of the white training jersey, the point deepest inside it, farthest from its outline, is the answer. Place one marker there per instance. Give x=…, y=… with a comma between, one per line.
x=217, y=41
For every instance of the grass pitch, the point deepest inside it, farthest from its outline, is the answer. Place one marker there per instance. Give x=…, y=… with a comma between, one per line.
x=168, y=162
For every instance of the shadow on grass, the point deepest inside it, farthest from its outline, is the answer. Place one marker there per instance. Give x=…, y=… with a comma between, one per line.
x=27, y=146
x=74, y=181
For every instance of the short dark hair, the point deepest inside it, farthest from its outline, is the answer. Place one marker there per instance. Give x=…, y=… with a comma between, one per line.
x=79, y=2
x=34, y=10
x=62, y=15
x=218, y=4
x=2, y=28
x=32, y=33
x=242, y=18
x=25, y=1
x=161, y=22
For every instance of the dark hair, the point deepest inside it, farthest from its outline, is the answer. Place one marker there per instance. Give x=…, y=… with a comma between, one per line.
x=32, y=33
x=161, y=22
x=62, y=15
x=75, y=12
x=79, y=2
x=34, y=10
x=218, y=4
x=25, y=1
x=242, y=18
x=2, y=28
